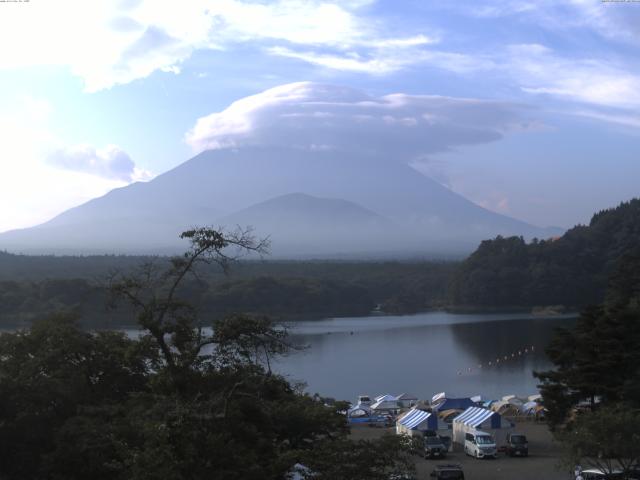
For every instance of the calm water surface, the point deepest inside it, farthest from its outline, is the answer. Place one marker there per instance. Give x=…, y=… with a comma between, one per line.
x=421, y=354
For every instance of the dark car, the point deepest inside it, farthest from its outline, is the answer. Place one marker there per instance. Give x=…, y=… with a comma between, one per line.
x=448, y=472
x=517, y=445
x=434, y=447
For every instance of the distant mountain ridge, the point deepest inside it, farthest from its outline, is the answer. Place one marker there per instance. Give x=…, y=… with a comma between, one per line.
x=395, y=209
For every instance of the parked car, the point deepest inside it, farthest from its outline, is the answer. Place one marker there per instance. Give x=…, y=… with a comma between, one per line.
x=434, y=447
x=480, y=445
x=448, y=472
x=598, y=474
x=516, y=445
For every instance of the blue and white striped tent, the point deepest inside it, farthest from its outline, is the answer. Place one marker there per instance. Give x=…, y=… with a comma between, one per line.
x=478, y=418
x=415, y=421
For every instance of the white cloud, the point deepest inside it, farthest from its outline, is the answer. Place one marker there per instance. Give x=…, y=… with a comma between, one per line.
x=540, y=71
x=111, y=162
x=31, y=189
x=611, y=20
x=399, y=126
x=112, y=42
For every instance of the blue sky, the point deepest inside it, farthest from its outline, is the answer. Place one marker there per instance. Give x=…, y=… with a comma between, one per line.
x=96, y=95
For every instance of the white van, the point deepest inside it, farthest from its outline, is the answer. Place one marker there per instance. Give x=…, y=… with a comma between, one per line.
x=480, y=445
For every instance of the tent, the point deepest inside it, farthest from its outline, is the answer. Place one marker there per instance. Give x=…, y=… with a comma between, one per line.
x=477, y=418
x=529, y=408
x=513, y=400
x=415, y=422
x=362, y=414
x=438, y=397
x=386, y=404
x=454, y=403
x=406, y=400
x=384, y=398
x=506, y=408
x=448, y=415
x=359, y=411
x=533, y=409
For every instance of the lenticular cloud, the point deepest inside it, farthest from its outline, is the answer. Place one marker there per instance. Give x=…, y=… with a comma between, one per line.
x=314, y=116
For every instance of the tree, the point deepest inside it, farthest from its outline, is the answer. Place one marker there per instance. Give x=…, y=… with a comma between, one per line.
x=607, y=439
x=342, y=459
x=154, y=294
x=189, y=399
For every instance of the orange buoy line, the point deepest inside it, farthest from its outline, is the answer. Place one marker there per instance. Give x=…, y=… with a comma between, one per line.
x=500, y=359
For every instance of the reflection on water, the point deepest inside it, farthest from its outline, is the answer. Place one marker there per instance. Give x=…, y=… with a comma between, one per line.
x=421, y=354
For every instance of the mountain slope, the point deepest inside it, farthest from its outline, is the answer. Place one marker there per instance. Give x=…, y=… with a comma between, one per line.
x=571, y=270
x=302, y=225
x=146, y=217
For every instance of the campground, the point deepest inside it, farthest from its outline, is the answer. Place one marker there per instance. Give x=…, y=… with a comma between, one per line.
x=543, y=462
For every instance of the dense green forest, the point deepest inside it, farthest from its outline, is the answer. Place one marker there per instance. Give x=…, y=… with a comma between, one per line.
x=33, y=286
x=571, y=270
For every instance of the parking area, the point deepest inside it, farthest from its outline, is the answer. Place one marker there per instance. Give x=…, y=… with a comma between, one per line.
x=543, y=462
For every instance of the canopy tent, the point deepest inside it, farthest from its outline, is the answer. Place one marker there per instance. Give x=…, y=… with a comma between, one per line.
x=384, y=398
x=406, y=400
x=532, y=409
x=359, y=411
x=534, y=398
x=506, y=408
x=385, y=403
x=438, y=397
x=476, y=399
x=513, y=400
x=478, y=418
x=416, y=422
x=362, y=414
x=454, y=403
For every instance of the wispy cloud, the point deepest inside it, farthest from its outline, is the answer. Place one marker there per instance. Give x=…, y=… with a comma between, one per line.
x=106, y=44
x=540, y=71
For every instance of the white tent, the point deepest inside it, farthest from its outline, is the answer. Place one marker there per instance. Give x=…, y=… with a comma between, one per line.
x=359, y=411
x=476, y=418
x=384, y=398
x=406, y=400
x=529, y=408
x=438, y=397
x=385, y=403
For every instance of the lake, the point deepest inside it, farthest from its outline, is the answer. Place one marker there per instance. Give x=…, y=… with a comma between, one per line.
x=422, y=354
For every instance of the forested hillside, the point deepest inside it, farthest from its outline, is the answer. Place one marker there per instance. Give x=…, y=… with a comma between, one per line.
x=34, y=286
x=571, y=270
